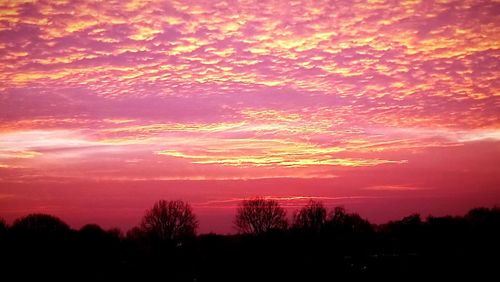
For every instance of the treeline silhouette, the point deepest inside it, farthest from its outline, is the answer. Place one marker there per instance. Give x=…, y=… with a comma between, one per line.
x=318, y=244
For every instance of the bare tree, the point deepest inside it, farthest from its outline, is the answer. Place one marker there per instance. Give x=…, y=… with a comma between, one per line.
x=311, y=217
x=170, y=220
x=258, y=216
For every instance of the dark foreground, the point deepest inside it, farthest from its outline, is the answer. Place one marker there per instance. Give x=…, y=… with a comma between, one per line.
x=408, y=249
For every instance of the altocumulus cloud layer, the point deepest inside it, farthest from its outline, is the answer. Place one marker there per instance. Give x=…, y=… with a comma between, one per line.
x=162, y=90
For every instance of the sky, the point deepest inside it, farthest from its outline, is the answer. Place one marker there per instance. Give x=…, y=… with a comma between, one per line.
x=384, y=107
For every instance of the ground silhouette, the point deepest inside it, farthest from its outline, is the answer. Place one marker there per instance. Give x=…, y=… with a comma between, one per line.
x=319, y=245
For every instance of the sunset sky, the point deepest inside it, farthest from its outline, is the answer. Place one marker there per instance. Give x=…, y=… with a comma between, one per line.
x=385, y=107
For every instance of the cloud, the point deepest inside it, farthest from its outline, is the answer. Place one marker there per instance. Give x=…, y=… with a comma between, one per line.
x=219, y=88
x=287, y=201
x=394, y=188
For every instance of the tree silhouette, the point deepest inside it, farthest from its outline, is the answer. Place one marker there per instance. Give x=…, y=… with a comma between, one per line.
x=169, y=220
x=40, y=225
x=94, y=233
x=3, y=227
x=258, y=216
x=347, y=224
x=311, y=217
x=347, y=246
x=92, y=230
